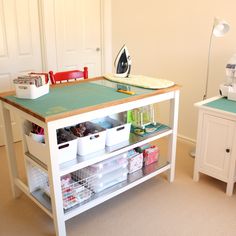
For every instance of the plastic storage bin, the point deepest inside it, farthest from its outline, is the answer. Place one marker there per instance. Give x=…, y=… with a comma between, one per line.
x=103, y=180
x=91, y=142
x=30, y=91
x=105, y=183
x=117, y=131
x=66, y=151
x=109, y=165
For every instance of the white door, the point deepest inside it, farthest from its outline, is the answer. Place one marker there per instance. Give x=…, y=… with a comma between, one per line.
x=78, y=35
x=20, y=48
x=217, y=138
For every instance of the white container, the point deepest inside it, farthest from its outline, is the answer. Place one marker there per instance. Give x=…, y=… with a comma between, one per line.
x=66, y=151
x=91, y=143
x=30, y=91
x=102, y=185
x=118, y=133
x=37, y=149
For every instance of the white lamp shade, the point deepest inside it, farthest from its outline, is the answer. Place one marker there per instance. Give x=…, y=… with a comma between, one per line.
x=220, y=28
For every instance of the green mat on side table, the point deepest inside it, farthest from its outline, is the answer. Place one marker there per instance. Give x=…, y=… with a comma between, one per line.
x=223, y=104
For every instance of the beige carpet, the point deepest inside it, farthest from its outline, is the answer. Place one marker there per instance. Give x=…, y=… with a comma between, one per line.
x=183, y=208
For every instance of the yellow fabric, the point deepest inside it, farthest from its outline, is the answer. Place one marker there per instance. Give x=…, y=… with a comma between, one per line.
x=142, y=81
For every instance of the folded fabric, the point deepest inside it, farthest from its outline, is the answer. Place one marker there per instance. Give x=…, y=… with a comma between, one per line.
x=142, y=81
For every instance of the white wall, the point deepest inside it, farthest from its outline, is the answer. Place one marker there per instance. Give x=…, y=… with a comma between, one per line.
x=169, y=39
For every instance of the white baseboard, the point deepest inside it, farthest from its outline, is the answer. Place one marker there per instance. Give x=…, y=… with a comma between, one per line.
x=186, y=139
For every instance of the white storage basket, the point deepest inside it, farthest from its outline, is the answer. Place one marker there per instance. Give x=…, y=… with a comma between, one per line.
x=92, y=142
x=30, y=91
x=66, y=151
x=119, y=132
x=36, y=149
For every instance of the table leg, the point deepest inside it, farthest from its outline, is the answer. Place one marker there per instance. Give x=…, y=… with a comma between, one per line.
x=11, y=157
x=174, y=107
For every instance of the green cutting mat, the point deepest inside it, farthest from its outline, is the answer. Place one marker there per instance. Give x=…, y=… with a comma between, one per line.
x=223, y=104
x=69, y=98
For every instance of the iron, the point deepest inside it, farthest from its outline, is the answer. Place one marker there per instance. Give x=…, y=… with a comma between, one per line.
x=123, y=63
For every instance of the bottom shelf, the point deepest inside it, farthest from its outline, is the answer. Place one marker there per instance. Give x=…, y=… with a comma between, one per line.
x=133, y=180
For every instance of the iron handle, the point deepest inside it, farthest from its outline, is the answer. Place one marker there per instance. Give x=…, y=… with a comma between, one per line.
x=98, y=49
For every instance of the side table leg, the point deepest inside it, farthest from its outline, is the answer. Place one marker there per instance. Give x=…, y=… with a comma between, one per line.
x=230, y=188
x=196, y=175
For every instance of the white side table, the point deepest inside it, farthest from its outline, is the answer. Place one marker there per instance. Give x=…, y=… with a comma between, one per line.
x=216, y=141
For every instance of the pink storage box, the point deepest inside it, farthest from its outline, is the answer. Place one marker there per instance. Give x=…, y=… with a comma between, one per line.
x=151, y=155
x=135, y=162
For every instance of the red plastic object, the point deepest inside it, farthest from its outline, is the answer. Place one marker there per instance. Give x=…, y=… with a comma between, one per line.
x=68, y=75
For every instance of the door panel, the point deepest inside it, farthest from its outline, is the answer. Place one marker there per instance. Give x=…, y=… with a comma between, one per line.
x=20, y=47
x=217, y=137
x=78, y=35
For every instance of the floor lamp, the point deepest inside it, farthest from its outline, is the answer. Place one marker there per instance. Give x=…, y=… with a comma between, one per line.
x=219, y=29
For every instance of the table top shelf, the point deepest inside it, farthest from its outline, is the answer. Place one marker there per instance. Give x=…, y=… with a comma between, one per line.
x=78, y=97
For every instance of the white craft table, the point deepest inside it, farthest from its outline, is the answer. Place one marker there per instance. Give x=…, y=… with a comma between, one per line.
x=96, y=98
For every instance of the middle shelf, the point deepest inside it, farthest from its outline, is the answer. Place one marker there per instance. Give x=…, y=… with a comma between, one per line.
x=83, y=161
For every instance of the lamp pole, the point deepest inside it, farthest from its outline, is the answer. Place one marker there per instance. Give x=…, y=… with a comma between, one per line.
x=219, y=29
x=208, y=63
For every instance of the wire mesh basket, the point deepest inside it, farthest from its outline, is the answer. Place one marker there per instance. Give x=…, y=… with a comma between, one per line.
x=75, y=190
x=38, y=180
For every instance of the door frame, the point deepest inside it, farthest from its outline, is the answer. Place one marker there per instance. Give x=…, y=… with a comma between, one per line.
x=48, y=35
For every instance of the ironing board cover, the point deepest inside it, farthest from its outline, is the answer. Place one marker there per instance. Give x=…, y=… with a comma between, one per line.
x=142, y=81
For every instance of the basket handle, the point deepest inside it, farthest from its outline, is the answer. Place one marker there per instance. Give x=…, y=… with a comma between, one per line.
x=95, y=136
x=64, y=146
x=120, y=128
